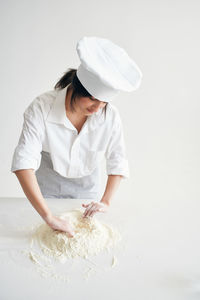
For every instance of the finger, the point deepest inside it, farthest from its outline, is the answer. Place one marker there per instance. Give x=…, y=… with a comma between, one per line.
x=85, y=205
x=88, y=211
x=86, y=214
x=92, y=210
x=70, y=234
x=101, y=209
x=93, y=213
x=70, y=229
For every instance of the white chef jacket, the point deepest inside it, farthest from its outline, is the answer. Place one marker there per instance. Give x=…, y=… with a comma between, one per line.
x=47, y=128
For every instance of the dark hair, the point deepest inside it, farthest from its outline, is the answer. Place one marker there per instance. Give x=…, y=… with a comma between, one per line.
x=70, y=78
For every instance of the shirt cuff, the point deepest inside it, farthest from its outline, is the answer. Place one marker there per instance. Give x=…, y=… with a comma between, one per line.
x=118, y=168
x=25, y=164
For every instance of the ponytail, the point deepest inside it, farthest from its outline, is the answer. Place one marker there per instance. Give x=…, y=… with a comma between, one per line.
x=66, y=79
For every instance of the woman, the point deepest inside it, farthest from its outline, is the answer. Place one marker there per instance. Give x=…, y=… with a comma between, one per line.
x=68, y=131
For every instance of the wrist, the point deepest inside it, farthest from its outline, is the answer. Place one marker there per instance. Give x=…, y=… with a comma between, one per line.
x=105, y=201
x=47, y=217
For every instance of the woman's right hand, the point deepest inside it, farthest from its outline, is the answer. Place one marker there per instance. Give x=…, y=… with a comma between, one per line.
x=60, y=225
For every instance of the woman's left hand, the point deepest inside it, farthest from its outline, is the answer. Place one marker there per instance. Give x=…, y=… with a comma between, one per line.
x=93, y=208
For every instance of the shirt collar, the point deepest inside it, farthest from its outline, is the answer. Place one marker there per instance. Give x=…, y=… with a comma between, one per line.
x=58, y=115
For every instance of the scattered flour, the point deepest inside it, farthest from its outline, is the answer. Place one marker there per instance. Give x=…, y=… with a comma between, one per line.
x=91, y=238
x=114, y=261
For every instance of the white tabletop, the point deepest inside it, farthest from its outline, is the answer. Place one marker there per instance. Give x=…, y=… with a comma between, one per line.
x=159, y=258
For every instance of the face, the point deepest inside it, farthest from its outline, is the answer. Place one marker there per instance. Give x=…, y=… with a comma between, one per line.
x=90, y=105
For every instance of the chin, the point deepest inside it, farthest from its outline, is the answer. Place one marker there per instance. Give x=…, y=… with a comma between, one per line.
x=89, y=112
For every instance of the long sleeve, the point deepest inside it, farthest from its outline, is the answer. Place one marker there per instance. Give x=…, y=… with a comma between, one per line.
x=116, y=161
x=27, y=154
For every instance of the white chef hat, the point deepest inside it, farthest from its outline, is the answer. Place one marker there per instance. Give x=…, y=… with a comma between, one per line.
x=106, y=69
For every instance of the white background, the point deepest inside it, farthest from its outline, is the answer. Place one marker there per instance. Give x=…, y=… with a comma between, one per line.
x=161, y=126
x=160, y=120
